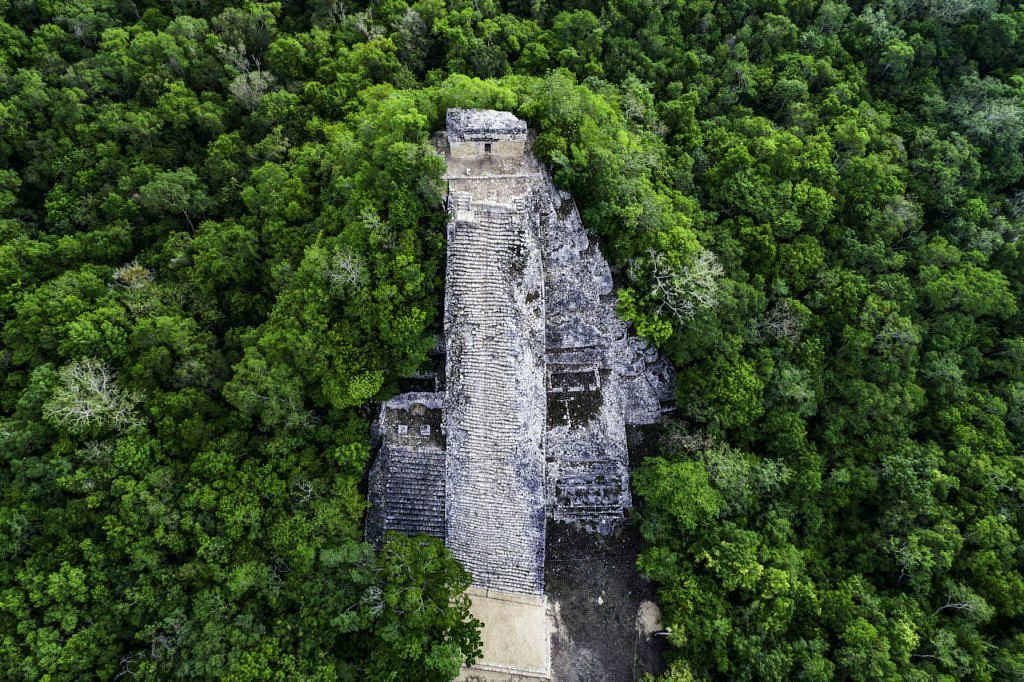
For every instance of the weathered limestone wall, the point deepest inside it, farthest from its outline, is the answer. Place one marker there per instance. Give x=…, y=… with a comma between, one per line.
x=511, y=148
x=482, y=133
x=587, y=460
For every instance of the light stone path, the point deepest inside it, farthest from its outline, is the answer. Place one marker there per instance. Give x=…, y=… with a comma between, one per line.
x=516, y=638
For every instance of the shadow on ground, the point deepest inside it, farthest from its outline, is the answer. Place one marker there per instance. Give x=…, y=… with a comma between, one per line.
x=601, y=622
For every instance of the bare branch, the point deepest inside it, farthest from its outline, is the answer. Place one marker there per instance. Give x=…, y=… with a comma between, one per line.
x=683, y=290
x=305, y=490
x=782, y=322
x=89, y=397
x=132, y=276
x=345, y=268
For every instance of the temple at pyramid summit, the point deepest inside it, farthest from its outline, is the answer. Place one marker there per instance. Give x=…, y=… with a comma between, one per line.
x=541, y=378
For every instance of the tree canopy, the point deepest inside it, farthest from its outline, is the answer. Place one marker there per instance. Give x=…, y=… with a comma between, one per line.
x=221, y=242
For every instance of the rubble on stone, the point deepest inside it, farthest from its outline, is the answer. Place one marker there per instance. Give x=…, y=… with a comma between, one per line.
x=541, y=381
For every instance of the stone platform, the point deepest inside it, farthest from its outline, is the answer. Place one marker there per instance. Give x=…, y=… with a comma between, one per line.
x=516, y=637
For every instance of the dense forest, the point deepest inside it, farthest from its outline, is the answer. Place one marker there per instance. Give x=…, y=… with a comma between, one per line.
x=222, y=240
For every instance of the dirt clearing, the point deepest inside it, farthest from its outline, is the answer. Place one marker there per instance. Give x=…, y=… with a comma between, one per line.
x=604, y=612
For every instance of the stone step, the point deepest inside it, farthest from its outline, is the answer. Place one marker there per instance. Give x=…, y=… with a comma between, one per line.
x=412, y=500
x=418, y=520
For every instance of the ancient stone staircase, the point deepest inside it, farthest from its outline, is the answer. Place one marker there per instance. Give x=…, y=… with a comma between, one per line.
x=495, y=524
x=415, y=491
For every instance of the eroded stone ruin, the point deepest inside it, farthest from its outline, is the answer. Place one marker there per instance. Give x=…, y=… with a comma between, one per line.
x=541, y=376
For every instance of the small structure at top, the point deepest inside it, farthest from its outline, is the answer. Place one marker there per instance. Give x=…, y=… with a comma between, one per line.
x=476, y=132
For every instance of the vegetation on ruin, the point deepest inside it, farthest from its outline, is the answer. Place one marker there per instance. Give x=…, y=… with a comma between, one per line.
x=221, y=241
